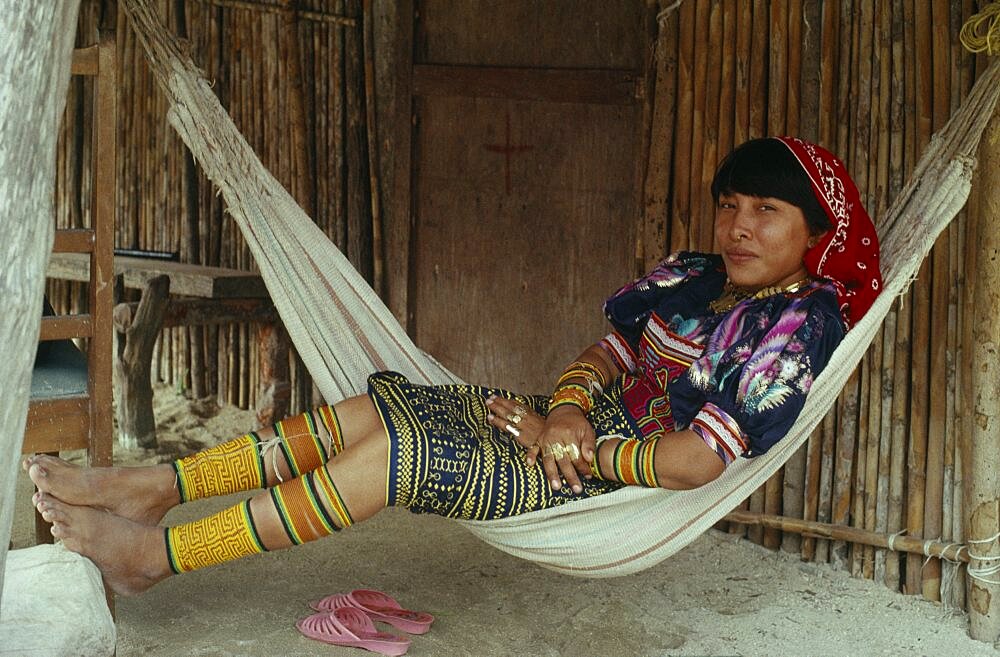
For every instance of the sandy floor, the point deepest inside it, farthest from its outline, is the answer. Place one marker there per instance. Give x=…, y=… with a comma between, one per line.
x=716, y=597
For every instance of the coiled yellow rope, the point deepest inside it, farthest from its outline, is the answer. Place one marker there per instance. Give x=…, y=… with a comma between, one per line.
x=981, y=33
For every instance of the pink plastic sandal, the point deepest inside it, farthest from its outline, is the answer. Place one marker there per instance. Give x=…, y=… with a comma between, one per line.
x=379, y=607
x=351, y=627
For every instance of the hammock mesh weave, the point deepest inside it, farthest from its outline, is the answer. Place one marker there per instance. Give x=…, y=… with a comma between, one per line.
x=343, y=331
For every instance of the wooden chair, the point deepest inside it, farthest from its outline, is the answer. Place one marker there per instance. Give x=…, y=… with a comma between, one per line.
x=71, y=394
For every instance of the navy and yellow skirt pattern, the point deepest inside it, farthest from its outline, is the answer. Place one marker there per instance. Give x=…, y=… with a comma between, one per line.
x=446, y=459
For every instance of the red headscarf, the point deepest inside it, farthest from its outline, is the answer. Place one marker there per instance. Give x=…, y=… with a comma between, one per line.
x=848, y=255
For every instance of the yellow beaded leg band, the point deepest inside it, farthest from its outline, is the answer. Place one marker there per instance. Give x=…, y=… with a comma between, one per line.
x=310, y=507
x=633, y=462
x=238, y=465
x=227, y=468
x=224, y=536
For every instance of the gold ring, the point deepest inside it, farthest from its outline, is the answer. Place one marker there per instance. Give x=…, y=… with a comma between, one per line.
x=557, y=450
x=520, y=410
x=515, y=418
x=572, y=451
x=512, y=430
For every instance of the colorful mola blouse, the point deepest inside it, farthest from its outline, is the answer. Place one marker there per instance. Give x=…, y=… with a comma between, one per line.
x=738, y=378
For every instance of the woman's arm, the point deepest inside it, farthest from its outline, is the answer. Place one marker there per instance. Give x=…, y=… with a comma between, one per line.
x=567, y=432
x=680, y=460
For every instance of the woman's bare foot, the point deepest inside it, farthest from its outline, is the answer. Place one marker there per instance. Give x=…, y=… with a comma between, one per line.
x=143, y=495
x=131, y=556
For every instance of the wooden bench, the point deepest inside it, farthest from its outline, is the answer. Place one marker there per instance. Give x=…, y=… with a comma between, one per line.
x=179, y=294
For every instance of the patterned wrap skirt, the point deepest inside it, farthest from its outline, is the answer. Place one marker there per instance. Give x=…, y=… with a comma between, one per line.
x=445, y=458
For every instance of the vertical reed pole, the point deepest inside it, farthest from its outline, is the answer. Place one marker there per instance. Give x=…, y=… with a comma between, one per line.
x=759, y=61
x=916, y=475
x=777, y=113
x=940, y=292
x=860, y=164
x=680, y=216
x=961, y=83
x=703, y=46
x=656, y=188
x=982, y=444
x=794, y=480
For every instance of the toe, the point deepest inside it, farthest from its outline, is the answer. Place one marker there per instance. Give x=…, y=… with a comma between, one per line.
x=37, y=473
x=43, y=501
x=58, y=530
x=50, y=508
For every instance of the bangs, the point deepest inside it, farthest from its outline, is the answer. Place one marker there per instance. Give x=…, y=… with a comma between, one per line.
x=766, y=168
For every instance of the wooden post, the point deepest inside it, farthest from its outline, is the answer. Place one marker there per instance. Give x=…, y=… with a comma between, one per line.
x=982, y=444
x=191, y=231
x=34, y=76
x=275, y=391
x=133, y=353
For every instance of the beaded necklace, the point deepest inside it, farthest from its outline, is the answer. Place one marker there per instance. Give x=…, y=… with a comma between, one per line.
x=732, y=295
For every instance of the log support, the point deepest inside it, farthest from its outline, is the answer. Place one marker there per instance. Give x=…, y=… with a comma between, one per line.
x=275, y=388
x=982, y=443
x=134, y=342
x=137, y=326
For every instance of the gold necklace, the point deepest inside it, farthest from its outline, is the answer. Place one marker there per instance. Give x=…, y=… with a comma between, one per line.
x=732, y=295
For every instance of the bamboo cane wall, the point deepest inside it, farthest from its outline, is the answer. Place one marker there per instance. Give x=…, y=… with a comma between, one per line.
x=872, y=81
x=869, y=79
x=271, y=84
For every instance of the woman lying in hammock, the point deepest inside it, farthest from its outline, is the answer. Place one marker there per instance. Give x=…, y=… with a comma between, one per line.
x=710, y=359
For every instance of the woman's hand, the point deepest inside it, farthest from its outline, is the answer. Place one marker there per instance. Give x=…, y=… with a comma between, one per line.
x=565, y=440
x=566, y=445
x=515, y=419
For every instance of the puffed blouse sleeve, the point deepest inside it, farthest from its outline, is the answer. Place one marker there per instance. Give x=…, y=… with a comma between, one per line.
x=629, y=308
x=750, y=384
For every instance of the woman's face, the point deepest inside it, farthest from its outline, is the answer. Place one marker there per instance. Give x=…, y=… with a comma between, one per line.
x=762, y=240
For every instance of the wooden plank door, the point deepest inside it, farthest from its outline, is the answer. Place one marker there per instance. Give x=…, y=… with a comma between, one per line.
x=525, y=180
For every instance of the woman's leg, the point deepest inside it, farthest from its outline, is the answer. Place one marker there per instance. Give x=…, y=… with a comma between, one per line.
x=134, y=556
x=288, y=449
x=259, y=459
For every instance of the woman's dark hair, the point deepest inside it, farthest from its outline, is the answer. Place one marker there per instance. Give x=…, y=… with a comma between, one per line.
x=767, y=168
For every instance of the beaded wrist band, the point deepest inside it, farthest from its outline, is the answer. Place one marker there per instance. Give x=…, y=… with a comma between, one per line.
x=585, y=370
x=588, y=372
x=633, y=462
x=572, y=394
x=595, y=463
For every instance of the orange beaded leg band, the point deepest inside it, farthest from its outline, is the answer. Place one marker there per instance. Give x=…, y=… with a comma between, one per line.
x=633, y=462
x=310, y=507
x=301, y=443
x=305, y=441
x=224, y=536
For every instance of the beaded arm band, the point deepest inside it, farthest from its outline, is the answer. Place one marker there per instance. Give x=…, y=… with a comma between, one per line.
x=633, y=462
x=588, y=372
x=570, y=392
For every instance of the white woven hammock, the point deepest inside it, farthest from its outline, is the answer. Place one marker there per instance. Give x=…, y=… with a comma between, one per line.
x=343, y=331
